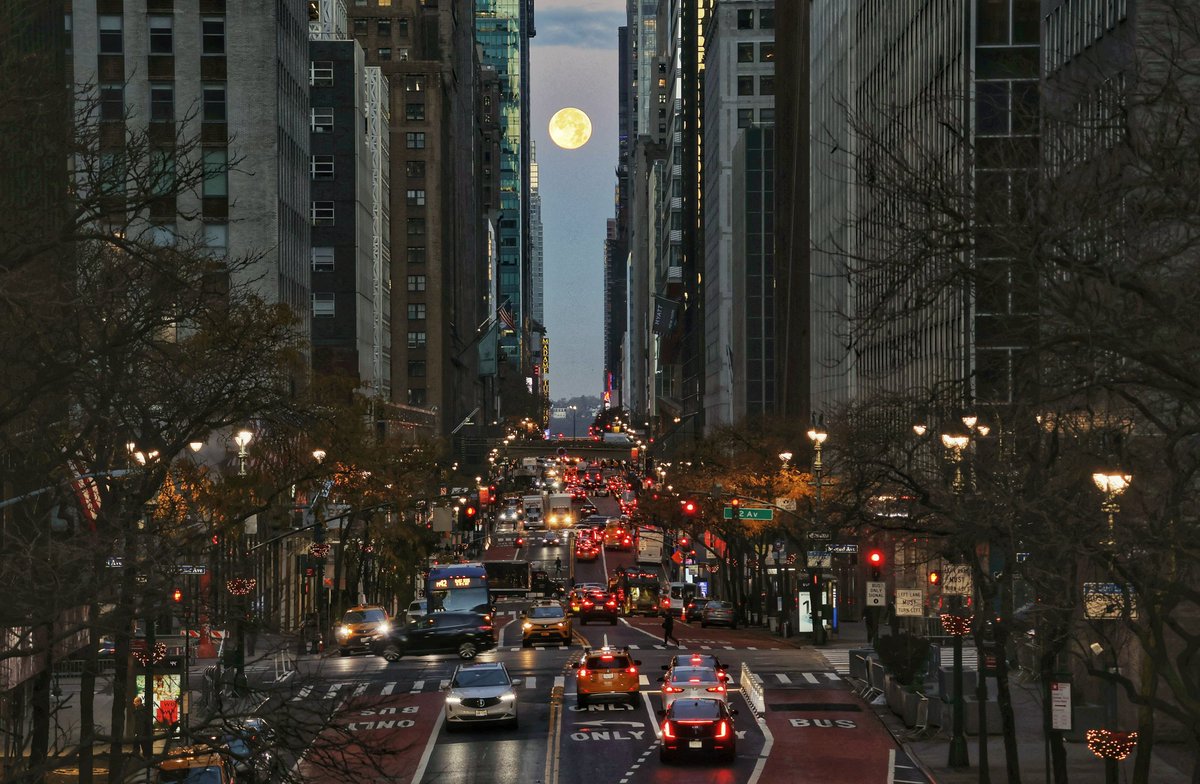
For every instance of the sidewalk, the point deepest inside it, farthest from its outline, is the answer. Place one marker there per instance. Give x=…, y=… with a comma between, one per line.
x=1171, y=765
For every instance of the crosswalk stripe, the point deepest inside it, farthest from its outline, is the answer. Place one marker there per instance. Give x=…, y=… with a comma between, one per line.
x=706, y=647
x=560, y=681
x=660, y=647
x=783, y=678
x=808, y=676
x=643, y=680
x=360, y=689
x=387, y=689
x=333, y=690
x=729, y=647
x=751, y=648
x=635, y=647
x=304, y=692
x=530, y=682
x=417, y=686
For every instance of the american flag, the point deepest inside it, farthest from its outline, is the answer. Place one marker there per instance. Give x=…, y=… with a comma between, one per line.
x=505, y=314
x=87, y=491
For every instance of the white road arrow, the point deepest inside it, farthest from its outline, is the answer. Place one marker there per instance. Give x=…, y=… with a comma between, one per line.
x=606, y=723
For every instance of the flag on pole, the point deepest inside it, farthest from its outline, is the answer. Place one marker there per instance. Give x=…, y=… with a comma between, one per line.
x=505, y=315
x=87, y=491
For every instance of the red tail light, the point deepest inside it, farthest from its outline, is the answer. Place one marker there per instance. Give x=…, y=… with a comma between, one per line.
x=487, y=627
x=668, y=730
x=693, y=680
x=717, y=689
x=672, y=690
x=583, y=673
x=632, y=670
x=722, y=728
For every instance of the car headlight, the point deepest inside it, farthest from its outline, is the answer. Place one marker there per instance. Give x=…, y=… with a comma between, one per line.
x=343, y=631
x=509, y=697
x=383, y=628
x=560, y=624
x=527, y=626
x=452, y=700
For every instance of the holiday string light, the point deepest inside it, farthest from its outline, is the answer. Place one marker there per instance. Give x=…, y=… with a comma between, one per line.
x=153, y=657
x=1110, y=744
x=319, y=549
x=791, y=558
x=956, y=625
x=241, y=586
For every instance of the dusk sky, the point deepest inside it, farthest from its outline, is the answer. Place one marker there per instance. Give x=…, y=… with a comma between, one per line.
x=574, y=63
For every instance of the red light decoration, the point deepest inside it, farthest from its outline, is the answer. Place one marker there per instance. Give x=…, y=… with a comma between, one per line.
x=1110, y=744
x=240, y=586
x=319, y=549
x=154, y=656
x=956, y=625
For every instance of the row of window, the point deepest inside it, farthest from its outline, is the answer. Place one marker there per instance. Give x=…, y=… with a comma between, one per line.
x=323, y=213
x=213, y=108
x=1077, y=24
x=766, y=85
x=214, y=237
x=383, y=26
x=320, y=74
x=766, y=52
x=162, y=34
x=745, y=117
x=766, y=19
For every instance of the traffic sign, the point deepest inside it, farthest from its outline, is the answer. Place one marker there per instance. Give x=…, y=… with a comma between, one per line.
x=909, y=603
x=788, y=504
x=819, y=559
x=843, y=548
x=876, y=594
x=1107, y=600
x=822, y=535
x=957, y=581
x=749, y=514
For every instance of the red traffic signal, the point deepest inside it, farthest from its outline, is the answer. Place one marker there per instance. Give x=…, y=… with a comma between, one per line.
x=935, y=577
x=735, y=502
x=177, y=596
x=683, y=542
x=875, y=558
x=471, y=511
x=689, y=508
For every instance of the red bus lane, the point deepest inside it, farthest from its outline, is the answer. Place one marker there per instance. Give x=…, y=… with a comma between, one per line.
x=375, y=738
x=827, y=736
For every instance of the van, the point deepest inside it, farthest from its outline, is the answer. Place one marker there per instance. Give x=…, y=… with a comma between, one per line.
x=416, y=609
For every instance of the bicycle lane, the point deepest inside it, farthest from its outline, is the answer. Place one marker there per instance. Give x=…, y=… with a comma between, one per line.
x=831, y=736
x=386, y=737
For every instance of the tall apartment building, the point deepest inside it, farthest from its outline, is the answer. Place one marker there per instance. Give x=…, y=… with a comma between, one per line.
x=438, y=233
x=236, y=74
x=351, y=241
x=537, y=256
x=503, y=29
x=739, y=94
x=615, y=311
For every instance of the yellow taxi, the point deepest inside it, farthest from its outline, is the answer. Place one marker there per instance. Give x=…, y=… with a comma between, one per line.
x=194, y=765
x=359, y=626
x=545, y=621
x=606, y=673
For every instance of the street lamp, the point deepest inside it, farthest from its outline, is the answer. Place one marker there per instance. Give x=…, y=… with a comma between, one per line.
x=319, y=455
x=956, y=626
x=955, y=443
x=817, y=434
x=1112, y=484
x=242, y=438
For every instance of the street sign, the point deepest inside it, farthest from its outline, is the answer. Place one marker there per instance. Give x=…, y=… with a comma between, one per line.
x=957, y=580
x=876, y=594
x=788, y=504
x=843, y=548
x=909, y=603
x=820, y=559
x=1060, y=706
x=824, y=536
x=1107, y=601
x=191, y=569
x=745, y=513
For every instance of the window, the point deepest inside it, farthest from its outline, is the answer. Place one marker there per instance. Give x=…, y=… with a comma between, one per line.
x=163, y=235
x=745, y=85
x=415, y=197
x=766, y=85
x=416, y=368
x=323, y=304
x=322, y=213
x=212, y=31
x=214, y=102
x=766, y=52
x=162, y=35
x=322, y=119
x=745, y=19
x=162, y=102
x=162, y=172
x=416, y=282
x=320, y=167
x=416, y=397
x=216, y=172
x=745, y=53
x=402, y=27
x=360, y=26
x=402, y=54
x=416, y=254
x=745, y=118
x=216, y=238
x=416, y=340
x=385, y=53
x=112, y=102
x=766, y=116
x=414, y=111
x=415, y=168
x=384, y=28
x=416, y=227
x=414, y=84
x=766, y=19
x=991, y=107
x=416, y=311
x=322, y=259
x=320, y=73
x=112, y=35
x=414, y=141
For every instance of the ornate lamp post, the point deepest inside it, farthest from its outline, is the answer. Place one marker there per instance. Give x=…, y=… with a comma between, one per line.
x=242, y=438
x=817, y=434
x=240, y=588
x=957, y=627
x=1109, y=744
x=1112, y=484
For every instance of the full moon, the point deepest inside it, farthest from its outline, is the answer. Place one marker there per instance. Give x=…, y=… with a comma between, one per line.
x=570, y=128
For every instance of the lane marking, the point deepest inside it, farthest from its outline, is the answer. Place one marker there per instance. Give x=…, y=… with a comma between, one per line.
x=530, y=682
x=643, y=680
x=360, y=689
x=554, y=736
x=768, y=743
x=891, y=766
x=783, y=678
x=333, y=690
x=429, y=745
x=808, y=676
x=653, y=715
x=417, y=686
x=304, y=692
x=386, y=690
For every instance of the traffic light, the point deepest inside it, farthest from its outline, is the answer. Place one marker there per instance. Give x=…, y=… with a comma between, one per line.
x=735, y=503
x=875, y=560
x=690, y=507
x=177, y=596
x=935, y=578
x=684, y=542
x=467, y=516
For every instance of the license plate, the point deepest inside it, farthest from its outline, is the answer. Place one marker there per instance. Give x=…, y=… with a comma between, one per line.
x=480, y=713
x=695, y=744
x=609, y=676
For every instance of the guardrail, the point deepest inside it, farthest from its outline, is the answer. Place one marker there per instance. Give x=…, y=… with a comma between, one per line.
x=752, y=687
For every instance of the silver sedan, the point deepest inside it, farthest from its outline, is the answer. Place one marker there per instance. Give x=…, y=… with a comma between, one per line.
x=480, y=693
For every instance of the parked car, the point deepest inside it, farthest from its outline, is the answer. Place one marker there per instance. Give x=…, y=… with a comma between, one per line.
x=692, y=683
x=693, y=727
x=718, y=612
x=464, y=633
x=480, y=693
x=247, y=744
x=195, y=766
x=359, y=626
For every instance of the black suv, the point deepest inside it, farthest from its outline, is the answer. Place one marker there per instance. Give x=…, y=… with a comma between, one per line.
x=464, y=633
x=599, y=606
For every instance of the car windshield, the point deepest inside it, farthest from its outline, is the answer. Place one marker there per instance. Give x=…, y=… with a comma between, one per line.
x=689, y=673
x=364, y=616
x=546, y=612
x=473, y=679
x=696, y=709
x=719, y=606
x=607, y=662
x=210, y=774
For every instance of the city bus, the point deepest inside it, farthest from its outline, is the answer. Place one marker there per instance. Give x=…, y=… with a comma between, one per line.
x=458, y=588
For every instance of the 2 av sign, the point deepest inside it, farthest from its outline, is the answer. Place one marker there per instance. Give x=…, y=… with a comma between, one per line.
x=745, y=513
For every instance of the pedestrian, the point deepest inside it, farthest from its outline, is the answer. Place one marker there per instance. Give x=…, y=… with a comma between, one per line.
x=668, y=626
x=558, y=565
x=251, y=633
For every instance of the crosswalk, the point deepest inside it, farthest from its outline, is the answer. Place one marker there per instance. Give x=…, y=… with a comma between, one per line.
x=527, y=684
x=839, y=658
